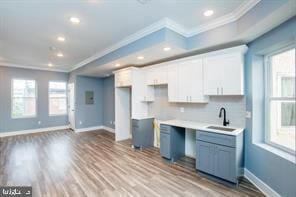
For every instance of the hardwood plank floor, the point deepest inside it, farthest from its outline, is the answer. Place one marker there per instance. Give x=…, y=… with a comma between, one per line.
x=65, y=163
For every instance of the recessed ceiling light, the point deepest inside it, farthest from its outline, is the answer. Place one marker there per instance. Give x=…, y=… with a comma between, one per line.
x=117, y=65
x=140, y=57
x=167, y=48
x=61, y=39
x=60, y=55
x=75, y=20
x=50, y=65
x=208, y=12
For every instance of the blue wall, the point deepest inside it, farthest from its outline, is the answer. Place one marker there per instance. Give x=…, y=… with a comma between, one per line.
x=109, y=102
x=42, y=79
x=88, y=115
x=278, y=173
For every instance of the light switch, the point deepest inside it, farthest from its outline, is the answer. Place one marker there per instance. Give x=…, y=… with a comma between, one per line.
x=248, y=114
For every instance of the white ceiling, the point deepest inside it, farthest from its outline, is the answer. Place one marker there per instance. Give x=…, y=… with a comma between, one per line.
x=29, y=27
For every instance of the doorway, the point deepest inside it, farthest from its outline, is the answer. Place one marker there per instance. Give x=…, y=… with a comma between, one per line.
x=71, y=105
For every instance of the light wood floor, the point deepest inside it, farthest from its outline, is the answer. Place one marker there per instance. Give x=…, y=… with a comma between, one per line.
x=64, y=163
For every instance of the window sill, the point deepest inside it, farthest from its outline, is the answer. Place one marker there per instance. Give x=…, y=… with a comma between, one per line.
x=287, y=156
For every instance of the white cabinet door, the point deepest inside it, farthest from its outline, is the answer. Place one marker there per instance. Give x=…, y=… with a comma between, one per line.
x=191, y=82
x=184, y=81
x=232, y=78
x=157, y=76
x=196, y=92
x=223, y=74
x=212, y=75
x=123, y=78
x=173, y=83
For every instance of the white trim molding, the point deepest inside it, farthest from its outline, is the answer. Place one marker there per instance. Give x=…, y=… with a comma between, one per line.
x=263, y=187
x=172, y=25
x=5, y=64
x=101, y=127
x=109, y=129
x=31, y=131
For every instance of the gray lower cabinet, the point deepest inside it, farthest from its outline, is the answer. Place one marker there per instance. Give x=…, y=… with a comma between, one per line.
x=220, y=155
x=172, y=142
x=142, y=133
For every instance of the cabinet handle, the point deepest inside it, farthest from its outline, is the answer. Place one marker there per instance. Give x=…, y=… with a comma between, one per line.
x=222, y=90
x=217, y=91
x=190, y=98
x=186, y=98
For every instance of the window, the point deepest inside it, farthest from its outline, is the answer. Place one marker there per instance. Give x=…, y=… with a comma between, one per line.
x=280, y=101
x=23, y=98
x=57, y=98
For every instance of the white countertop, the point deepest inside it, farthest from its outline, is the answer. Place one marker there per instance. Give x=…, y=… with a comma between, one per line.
x=201, y=126
x=142, y=117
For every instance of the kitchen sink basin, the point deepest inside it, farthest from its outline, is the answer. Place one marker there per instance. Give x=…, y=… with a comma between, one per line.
x=221, y=128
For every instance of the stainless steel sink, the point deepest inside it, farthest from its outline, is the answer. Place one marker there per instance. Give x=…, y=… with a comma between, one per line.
x=220, y=128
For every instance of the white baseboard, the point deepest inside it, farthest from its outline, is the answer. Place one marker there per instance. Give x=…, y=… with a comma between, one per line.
x=109, y=129
x=95, y=128
x=89, y=129
x=30, y=131
x=263, y=187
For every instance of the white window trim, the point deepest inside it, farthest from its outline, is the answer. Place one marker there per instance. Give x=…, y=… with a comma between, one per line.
x=11, y=99
x=267, y=104
x=60, y=114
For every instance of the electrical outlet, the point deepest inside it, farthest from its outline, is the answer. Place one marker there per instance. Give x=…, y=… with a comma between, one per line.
x=39, y=122
x=80, y=122
x=248, y=114
x=182, y=109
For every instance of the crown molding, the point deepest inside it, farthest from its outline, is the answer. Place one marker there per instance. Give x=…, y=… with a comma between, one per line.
x=6, y=64
x=136, y=36
x=172, y=25
x=226, y=19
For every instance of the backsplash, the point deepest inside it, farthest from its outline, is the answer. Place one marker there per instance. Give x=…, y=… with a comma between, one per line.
x=209, y=113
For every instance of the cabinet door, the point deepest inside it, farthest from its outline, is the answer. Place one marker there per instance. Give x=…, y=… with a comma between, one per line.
x=205, y=157
x=225, y=163
x=232, y=78
x=173, y=84
x=213, y=71
x=165, y=145
x=196, y=91
x=184, y=81
x=136, y=136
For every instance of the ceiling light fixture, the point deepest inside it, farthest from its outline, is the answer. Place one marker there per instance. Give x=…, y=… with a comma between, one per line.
x=117, y=65
x=140, y=57
x=61, y=39
x=167, y=48
x=208, y=13
x=60, y=55
x=50, y=65
x=75, y=20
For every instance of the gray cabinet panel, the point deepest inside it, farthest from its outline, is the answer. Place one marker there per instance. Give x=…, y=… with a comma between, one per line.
x=165, y=145
x=216, y=138
x=172, y=142
x=205, y=157
x=142, y=133
x=220, y=155
x=225, y=163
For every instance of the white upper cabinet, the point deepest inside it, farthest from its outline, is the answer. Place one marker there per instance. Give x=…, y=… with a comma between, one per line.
x=224, y=72
x=173, y=83
x=185, y=82
x=123, y=78
x=157, y=76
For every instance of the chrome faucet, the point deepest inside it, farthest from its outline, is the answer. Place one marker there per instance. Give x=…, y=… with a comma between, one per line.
x=225, y=123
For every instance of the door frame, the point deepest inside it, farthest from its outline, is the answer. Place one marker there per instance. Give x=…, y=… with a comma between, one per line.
x=71, y=124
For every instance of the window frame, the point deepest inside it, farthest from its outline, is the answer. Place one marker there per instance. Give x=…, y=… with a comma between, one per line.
x=268, y=98
x=66, y=90
x=12, y=97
